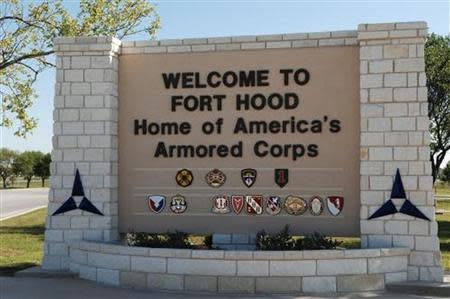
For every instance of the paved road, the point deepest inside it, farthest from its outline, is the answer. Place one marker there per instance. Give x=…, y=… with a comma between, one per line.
x=18, y=201
x=67, y=288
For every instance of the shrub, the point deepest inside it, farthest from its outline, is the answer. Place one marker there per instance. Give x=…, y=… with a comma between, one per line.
x=168, y=240
x=284, y=241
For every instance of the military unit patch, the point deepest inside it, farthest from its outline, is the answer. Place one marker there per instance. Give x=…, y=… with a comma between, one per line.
x=184, y=178
x=335, y=204
x=248, y=176
x=316, y=205
x=281, y=177
x=178, y=204
x=254, y=204
x=237, y=203
x=215, y=178
x=273, y=205
x=156, y=203
x=220, y=204
x=295, y=205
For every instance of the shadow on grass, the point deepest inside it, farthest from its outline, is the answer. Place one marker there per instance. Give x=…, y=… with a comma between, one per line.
x=10, y=270
x=444, y=228
x=28, y=230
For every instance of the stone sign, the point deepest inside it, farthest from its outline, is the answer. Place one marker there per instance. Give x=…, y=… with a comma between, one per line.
x=292, y=109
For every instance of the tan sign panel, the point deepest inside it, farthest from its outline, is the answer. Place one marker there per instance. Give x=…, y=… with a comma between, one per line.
x=280, y=126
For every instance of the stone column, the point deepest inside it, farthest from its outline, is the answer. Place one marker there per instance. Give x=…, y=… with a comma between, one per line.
x=85, y=138
x=395, y=134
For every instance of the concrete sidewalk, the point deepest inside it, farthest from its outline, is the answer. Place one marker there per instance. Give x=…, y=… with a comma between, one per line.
x=67, y=288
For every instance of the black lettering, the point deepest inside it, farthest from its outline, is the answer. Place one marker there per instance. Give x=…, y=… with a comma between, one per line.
x=298, y=150
x=175, y=102
x=140, y=126
x=187, y=80
x=286, y=73
x=209, y=79
x=161, y=150
x=240, y=126
x=171, y=80
x=313, y=150
x=247, y=79
x=301, y=76
x=258, y=152
x=263, y=78
x=335, y=126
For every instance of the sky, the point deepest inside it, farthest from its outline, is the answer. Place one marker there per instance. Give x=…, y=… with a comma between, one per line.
x=186, y=19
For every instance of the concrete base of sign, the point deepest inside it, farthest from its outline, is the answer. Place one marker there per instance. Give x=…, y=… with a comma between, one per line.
x=234, y=241
x=309, y=271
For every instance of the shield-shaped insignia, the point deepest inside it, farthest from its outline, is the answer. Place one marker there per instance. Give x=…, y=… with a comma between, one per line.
x=237, y=202
x=215, y=178
x=316, y=205
x=184, y=177
x=254, y=204
x=156, y=203
x=248, y=176
x=178, y=204
x=335, y=204
x=273, y=205
x=295, y=205
x=220, y=204
x=281, y=177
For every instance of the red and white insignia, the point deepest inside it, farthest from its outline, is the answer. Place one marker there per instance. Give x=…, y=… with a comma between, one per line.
x=273, y=205
x=220, y=204
x=335, y=204
x=254, y=204
x=237, y=203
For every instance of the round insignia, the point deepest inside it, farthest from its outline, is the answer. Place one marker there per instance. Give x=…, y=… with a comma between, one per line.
x=316, y=205
x=273, y=205
x=156, y=203
x=184, y=177
x=220, y=204
x=178, y=204
x=295, y=205
x=215, y=178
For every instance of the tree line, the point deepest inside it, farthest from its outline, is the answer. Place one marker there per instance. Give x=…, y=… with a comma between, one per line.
x=27, y=164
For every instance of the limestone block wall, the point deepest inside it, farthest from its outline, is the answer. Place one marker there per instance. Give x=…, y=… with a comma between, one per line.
x=309, y=271
x=395, y=134
x=85, y=138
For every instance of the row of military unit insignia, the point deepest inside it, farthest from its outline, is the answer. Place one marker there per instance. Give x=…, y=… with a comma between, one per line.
x=254, y=204
x=216, y=178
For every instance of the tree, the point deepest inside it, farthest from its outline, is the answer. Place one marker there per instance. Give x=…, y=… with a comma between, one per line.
x=7, y=158
x=24, y=165
x=437, y=68
x=26, y=38
x=445, y=175
x=42, y=167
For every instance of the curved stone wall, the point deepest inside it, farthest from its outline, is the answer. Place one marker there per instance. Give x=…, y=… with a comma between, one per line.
x=308, y=271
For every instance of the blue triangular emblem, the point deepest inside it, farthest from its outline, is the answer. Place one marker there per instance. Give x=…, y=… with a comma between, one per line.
x=408, y=208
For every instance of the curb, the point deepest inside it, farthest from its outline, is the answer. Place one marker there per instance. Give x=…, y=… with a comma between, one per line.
x=38, y=272
x=420, y=288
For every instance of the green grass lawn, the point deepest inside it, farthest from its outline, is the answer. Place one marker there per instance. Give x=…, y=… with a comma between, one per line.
x=21, y=241
x=442, y=188
x=444, y=233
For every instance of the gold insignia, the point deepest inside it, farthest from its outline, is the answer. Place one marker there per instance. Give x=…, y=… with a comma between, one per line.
x=295, y=205
x=184, y=177
x=215, y=178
